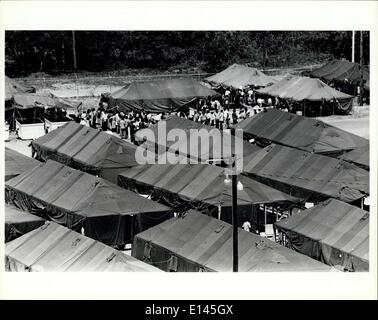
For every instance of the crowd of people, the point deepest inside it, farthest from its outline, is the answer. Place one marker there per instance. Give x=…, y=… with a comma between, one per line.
x=221, y=112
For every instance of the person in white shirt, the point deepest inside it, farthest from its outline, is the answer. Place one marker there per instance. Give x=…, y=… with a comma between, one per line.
x=226, y=116
x=212, y=118
x=246, y=225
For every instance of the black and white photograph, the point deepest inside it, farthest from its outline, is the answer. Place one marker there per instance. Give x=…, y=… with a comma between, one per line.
x=216, y=150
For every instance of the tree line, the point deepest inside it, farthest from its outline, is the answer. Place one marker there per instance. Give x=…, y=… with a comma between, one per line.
x=51, y=52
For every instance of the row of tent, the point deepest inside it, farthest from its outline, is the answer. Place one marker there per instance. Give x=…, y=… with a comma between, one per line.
x=201, y=187
x=300, y=173
x=296, y=164
x=172, y=94
x=308, y=134
x=47, y=192
x=75, y=199
x=332, y=232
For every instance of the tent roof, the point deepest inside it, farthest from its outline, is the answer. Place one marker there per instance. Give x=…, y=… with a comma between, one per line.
x=300, y=132
x=204, y=183
x=16, y=216
x=56, y=248
x=13, y=87
x=238, y=75
x=208, y=242
x=312, y=172
x=359, y=156
x=333, y=223
x=80, y=193
x=341, y=70
x=74, y=142
x=303, y=88
x=31, y=100
x=206, y=152
x=17, y=163
x=159, y=95
x=19, y=222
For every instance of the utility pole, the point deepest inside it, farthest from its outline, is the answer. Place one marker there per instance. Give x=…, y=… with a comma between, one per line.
x=235, y=242
x=353, y=46
x=361, y=67
x=74, y=50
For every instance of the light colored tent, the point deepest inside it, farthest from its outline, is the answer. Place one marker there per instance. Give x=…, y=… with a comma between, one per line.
x=304, y=88
x=300, y=132
x=87, y=149
x=237, y=75
x=107, y=213
x=17, y=163
x=19, y=222
x=197, y=242
x=307, y=175
x=333, y=232
x=200, y=187
x=159, y=95
x=54, y=248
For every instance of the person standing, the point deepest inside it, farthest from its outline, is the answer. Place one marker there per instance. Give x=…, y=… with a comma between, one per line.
x=246, y=225
x=122, y=127
x=221, y=119
x=226, y=115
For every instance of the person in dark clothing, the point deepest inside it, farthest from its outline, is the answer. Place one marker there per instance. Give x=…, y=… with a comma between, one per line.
x=237, y=99
x=132, y=129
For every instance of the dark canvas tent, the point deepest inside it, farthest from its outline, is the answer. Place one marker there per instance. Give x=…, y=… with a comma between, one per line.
x=307, y=175
x=17, y=163
x=13, y=87
x=159, y=95
x=201, y=187
x=19, y=222
x=299, y=132
x=307, y=89
x=197, y=242
x=358, y=156
x=207, y=150
x=87, y=149
x=341, y=70
x=76, y=199
x=237, y=75
x=54, y=248
x=333, y=232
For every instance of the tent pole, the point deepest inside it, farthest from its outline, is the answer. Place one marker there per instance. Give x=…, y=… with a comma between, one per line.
x=219, y=212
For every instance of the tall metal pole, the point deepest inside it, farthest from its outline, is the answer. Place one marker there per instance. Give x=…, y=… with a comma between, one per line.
x=235, y=261
x=235, y=245
x=361, y=66
x=353, y=46
x=74, y=50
